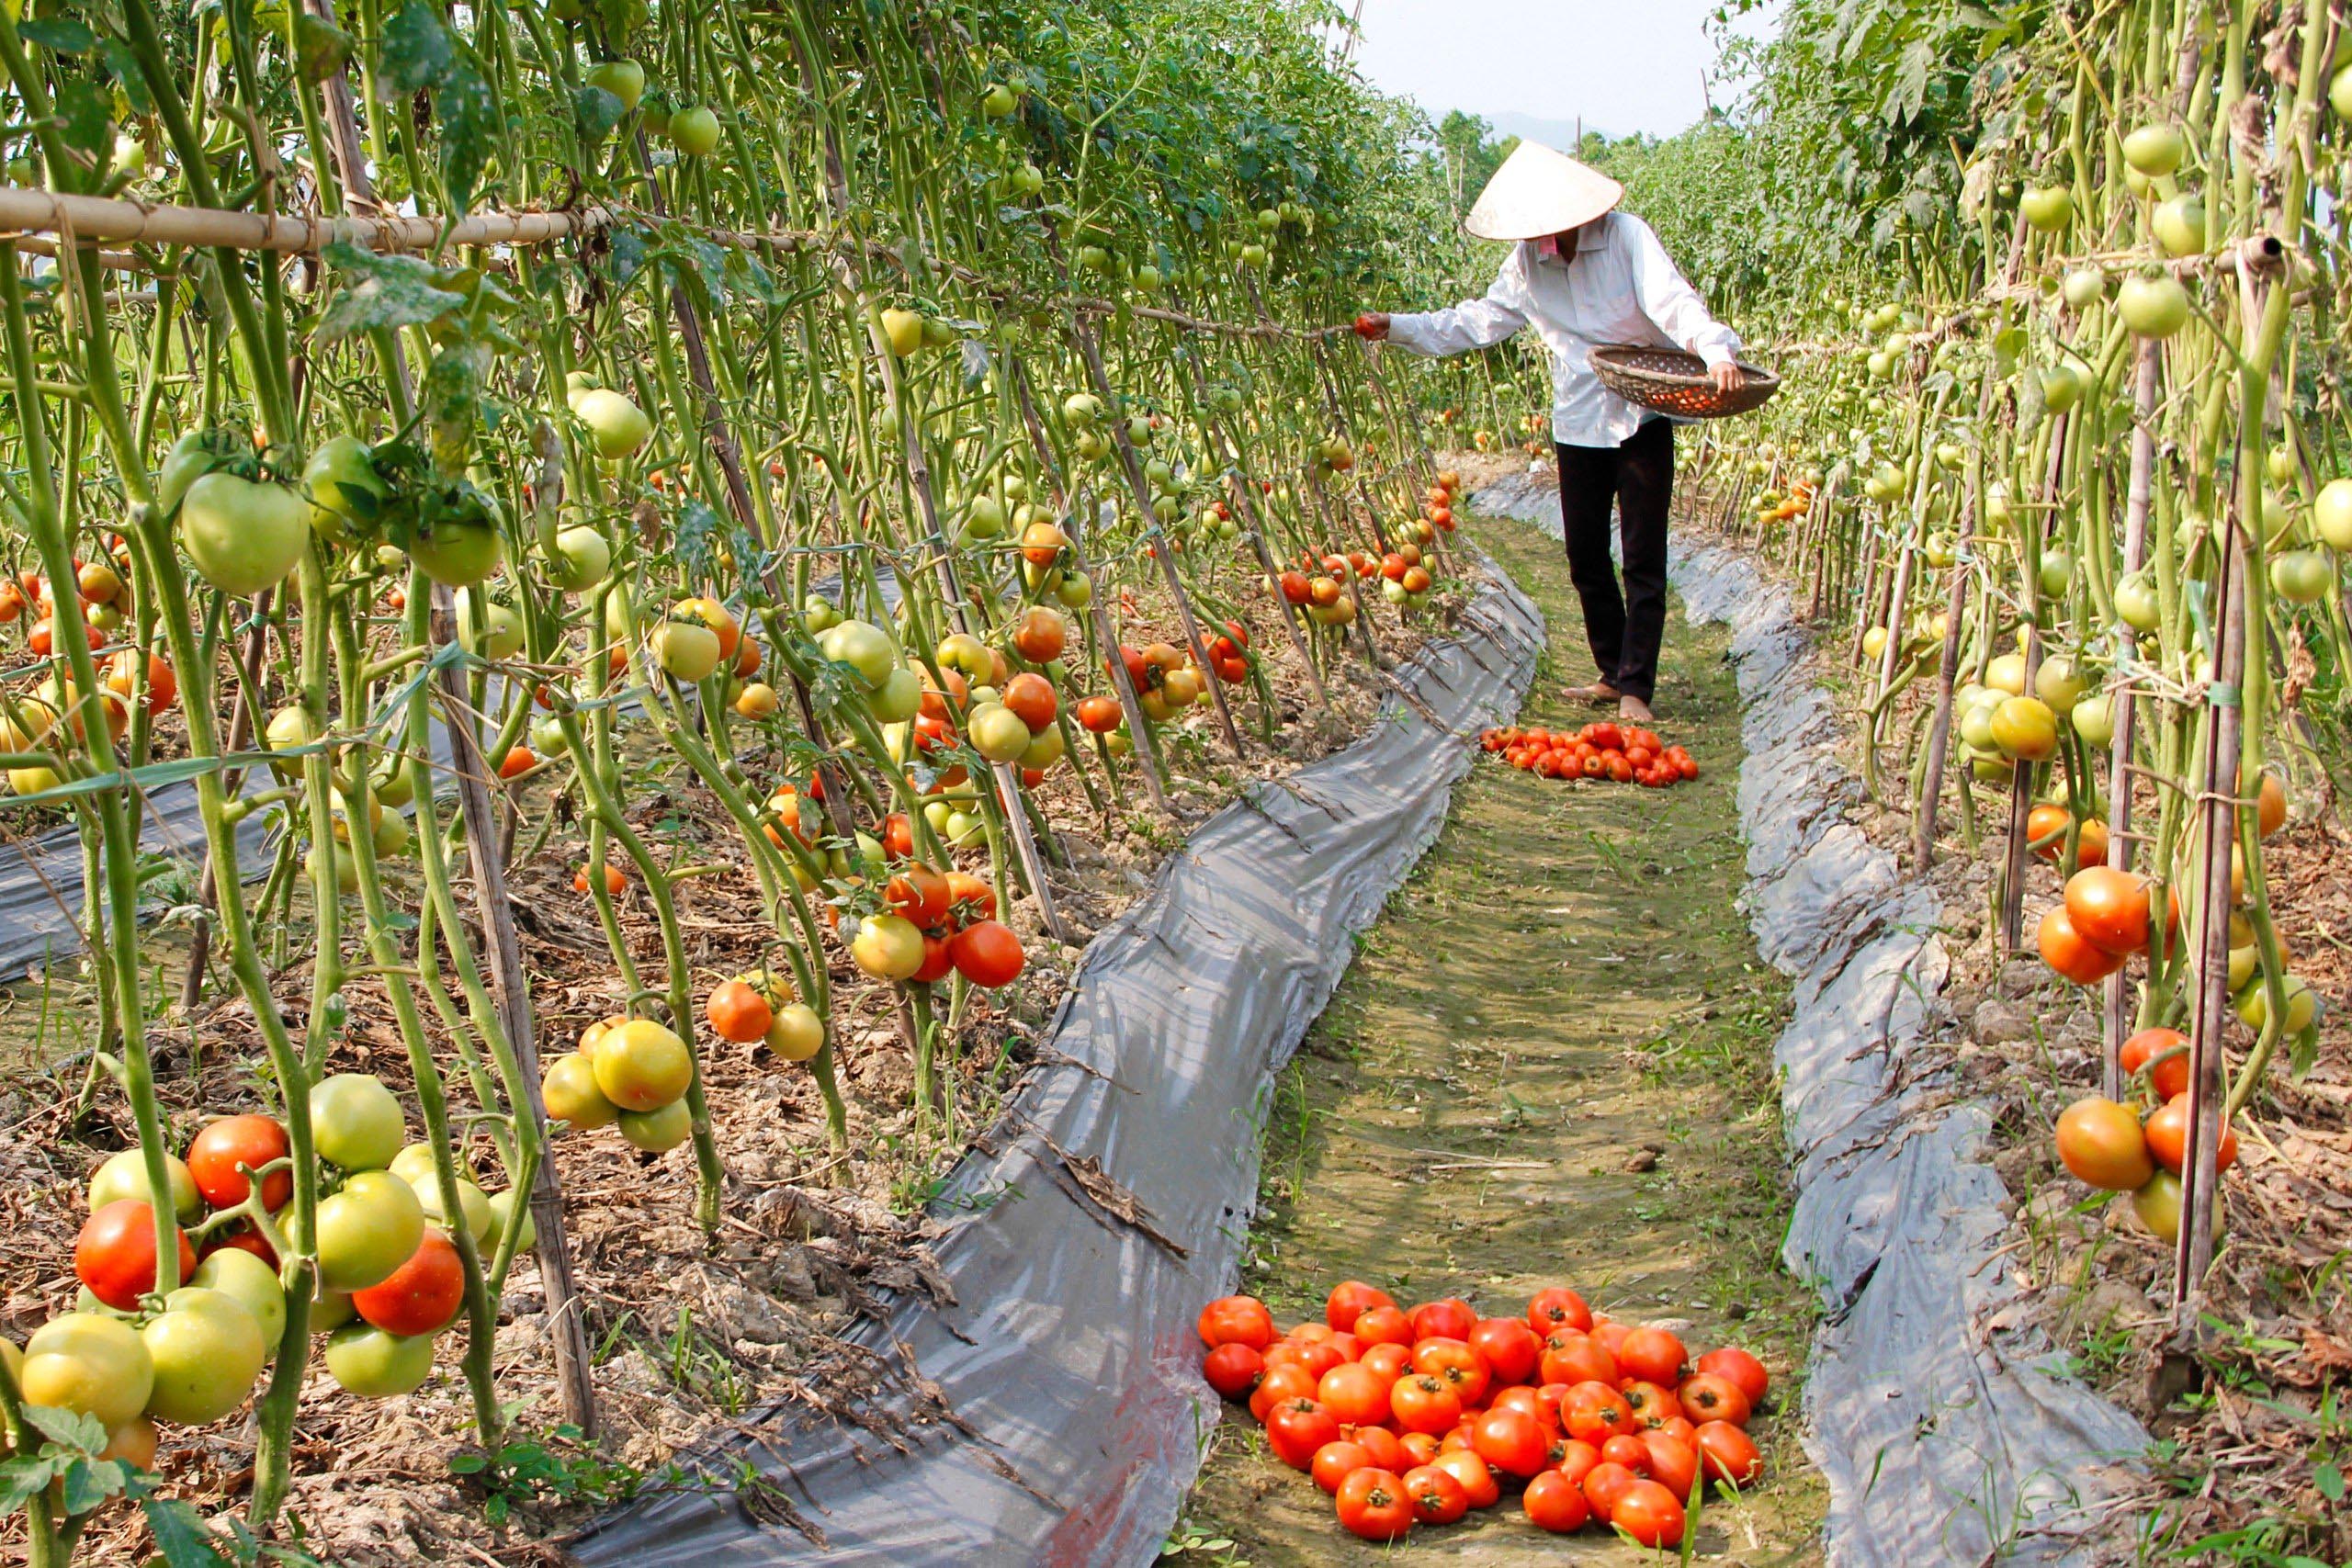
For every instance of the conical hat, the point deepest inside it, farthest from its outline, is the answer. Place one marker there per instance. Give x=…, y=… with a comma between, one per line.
x=1539, y=192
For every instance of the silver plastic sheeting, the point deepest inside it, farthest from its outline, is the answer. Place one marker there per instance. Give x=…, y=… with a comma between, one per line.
x=1068, y=1355
x=1944, y=1439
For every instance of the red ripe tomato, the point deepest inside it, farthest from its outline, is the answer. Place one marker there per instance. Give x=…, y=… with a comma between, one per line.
x=1577, y=1358
x=245, y=1238
x=1629, y=1451
x=1373, y=1504
x=1510, y=1440
x=1706, y=1397
x=1391, y=1361
x=1510, y=1348
x=1349, y=1300
x=1527, y=1402
x=920, y=894
x=1233, y=1369
x=1354, y=1394
x=1737, y=1367
x=1557, y=1308
x=1604, y=1484
x=2168, y=1050
x=1438, y=1498
x=1604, y=735
x=115, y=1254
x=1620, y=769
x=1317, y=1357
x=1652, y=1355
x=1336, y=1461
x=1386, y=1448
x=421, y=1296
x=1449, y=1319
x=1463, y=1370
x=1608, y=1333
x=1596, y=1413
x=1652, y=1406
x=1596, y=766
x=1278, y=1386
x=1673, y=1462
x=2167, y=1135
x=2065, y=950
x=1099, y=715
x=1296, y=1428
x=1237, y=1320
x=252, y=1141
x=1349, y=1347
x=1424, y=1403
x=938, y=961
x=1476, y=1480
x=2110, y=909
x=972, y=894
x=1418, y=1448
x=1555, y=1503
x=987, y=953
x=1383, y=1325
x=1650, y=1514
x=1728, y=1454
x=1577, y=1460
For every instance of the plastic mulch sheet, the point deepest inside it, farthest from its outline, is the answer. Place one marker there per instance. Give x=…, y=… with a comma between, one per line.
x=1113, y=1198
x=1944, y=1437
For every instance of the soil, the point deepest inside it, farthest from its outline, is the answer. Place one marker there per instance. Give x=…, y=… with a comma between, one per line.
x=1551, y=1064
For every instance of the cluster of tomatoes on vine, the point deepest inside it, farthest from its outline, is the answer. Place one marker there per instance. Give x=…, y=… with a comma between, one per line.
x=1605, y=750
x=1418, y=1417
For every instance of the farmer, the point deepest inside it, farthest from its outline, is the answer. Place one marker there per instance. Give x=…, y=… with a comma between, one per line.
x=1583, y=275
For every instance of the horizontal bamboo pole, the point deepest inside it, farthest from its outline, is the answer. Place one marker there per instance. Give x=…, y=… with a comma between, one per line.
x=88, y=219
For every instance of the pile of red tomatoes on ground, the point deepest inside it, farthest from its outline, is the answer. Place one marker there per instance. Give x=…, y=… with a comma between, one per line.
x=1617, y=753
x=1418, y=1417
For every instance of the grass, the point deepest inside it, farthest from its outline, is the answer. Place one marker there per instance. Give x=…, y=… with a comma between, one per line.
x=1551, y=1063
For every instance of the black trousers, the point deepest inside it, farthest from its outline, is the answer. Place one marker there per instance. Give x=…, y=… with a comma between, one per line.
x=1624, y=629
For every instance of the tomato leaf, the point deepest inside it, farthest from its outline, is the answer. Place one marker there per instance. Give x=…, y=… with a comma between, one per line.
x=23, y=1476
x=82, y=111
x=469, y=112
x=180, y=1533
x=418, y=50
x=597, y=111
x=89, y=1482
x=2325, y=1476
x=383, y=291
x=62, y=35
x=68, y=1428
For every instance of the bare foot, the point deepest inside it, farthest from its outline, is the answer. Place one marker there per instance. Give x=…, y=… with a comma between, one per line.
x=1635, y=709
x=1601, y=694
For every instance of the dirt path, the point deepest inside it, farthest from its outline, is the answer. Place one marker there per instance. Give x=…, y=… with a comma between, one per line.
x=1551, y=1064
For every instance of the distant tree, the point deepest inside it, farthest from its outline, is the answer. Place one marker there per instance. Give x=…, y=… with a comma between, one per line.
x=1472, y=157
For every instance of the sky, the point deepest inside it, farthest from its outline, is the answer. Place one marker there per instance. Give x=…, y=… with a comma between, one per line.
x=1529, y=65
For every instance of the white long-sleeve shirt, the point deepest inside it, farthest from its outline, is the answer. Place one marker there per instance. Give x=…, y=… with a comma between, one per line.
x=1622, y=288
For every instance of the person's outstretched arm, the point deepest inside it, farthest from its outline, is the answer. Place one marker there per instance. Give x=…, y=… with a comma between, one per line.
x=1668, y=299
x=1474, y=323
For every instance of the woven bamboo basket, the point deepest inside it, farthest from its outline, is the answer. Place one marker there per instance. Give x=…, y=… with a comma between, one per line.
x=1674, y=382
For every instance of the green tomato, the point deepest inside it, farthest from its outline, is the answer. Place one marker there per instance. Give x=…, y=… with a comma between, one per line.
x=488, y=628
x=2136, y=601
x=657, y=1131
x=2153, y=305
x=996, y=732
x=243, y=537
x=368, y=1230
x=2059, y=683
x=624, y=79
x=2332, y=515
x=472, y=1202
x=503, y=1209
x=686, y=650
x=459, y=553
x=1076, y=590
x=2094, y=720
x=617, y=425
x=2057, y=571
x=2047, y=208
x=642, y=1066
x=695, y=132
x=124, y=1175
x=2154, y=150
x=2179, y=226
x=355, y=1122
x=864, y=648
x=343, y=487
x=373, y=1364
x=2301, y=577
x=192, y=456
x=96, y=1365
x=238, y=1274
x=208, y=1350
x=581, y=559
x=898, y=698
